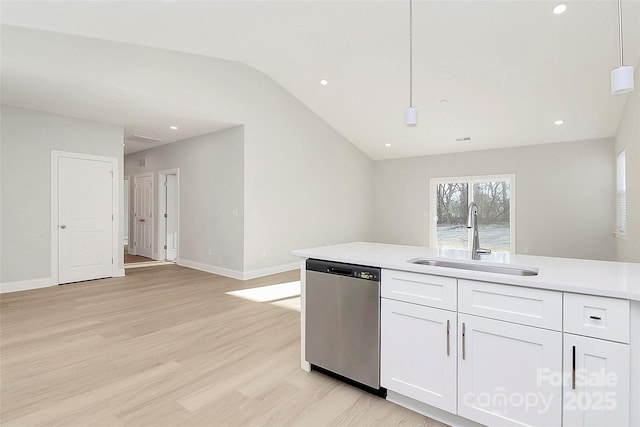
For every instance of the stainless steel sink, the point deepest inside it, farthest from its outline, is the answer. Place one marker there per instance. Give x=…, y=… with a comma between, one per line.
x=489, y=268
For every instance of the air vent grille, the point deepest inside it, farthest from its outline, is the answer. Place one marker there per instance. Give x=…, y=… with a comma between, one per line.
x=142, y=138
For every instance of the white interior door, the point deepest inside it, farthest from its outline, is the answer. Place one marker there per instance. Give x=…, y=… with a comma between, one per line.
x=85, y=219
x=143, y=215
x=171, y=216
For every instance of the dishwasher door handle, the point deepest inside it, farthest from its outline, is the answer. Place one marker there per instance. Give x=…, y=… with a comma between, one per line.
x=340, y=271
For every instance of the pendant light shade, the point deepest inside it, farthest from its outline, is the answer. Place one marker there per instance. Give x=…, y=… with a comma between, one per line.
x=621, y=77
x=622, y=80
x=410, y=116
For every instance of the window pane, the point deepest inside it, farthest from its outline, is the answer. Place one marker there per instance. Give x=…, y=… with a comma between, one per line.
x=493, y=199
x=452, y=215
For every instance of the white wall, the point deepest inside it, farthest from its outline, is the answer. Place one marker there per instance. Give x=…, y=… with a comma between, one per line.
x=28, y=137
x=628, y=138
x=211, y=196
x=563, y=198
x=305, y=184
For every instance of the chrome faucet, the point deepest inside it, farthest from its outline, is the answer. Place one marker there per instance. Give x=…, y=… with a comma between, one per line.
x=474, y=243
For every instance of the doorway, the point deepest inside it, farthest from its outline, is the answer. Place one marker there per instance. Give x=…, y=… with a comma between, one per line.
x=169, y=202
x=84, y=217
x=143, y=215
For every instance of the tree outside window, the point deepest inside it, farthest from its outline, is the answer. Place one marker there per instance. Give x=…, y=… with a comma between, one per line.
x=493, y=197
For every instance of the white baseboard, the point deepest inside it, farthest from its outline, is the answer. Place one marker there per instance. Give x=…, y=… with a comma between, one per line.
x=214, y=269
x=237, y=274
x=252, y=274
x=25, y=285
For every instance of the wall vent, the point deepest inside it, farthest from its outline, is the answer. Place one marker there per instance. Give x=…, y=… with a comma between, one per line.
x=142, y=138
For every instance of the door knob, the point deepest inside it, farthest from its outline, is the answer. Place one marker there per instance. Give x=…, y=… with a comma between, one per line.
x=63, y=226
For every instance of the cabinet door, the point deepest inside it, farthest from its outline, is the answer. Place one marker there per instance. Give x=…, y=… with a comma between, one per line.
x=501, y=367
x=596, y=382
x=418, y=353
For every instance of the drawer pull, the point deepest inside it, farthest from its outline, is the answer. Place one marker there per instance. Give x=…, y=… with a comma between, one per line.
x=448, y=339
x=463, y=346
x=595, y=317
x=573, y=369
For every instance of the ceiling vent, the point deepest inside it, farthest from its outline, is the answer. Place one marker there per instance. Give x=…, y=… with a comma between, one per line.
x=464, y=138
x=142, y=138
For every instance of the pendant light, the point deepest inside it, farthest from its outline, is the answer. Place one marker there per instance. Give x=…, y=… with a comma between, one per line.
x=621, y=77
x=410, y=114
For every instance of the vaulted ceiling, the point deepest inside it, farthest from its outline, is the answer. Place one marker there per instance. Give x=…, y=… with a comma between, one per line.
x=497, y=72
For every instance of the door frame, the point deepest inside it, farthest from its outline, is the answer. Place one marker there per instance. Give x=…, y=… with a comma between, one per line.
x=115, y=206
x=162, y=222
x=154, y=209
x=126, y=209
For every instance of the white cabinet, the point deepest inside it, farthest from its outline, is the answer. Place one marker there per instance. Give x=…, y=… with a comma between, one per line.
x=509, y=355
x=596, y=369
x=597, y=317
x=423, y=289
x=510, y=336
x=596, y=382
x=418, y=354
x=499, y=373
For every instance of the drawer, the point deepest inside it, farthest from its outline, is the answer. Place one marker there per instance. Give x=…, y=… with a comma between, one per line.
x=527, y=306
x=417, y=288
x=598, y=317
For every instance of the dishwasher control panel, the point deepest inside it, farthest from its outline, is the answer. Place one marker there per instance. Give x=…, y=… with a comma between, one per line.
x=342, y=269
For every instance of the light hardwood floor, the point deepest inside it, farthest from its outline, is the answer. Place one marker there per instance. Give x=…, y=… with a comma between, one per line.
x=166, y=346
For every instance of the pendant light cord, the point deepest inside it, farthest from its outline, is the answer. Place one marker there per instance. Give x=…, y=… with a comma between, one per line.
x=410, y=53
x=620, y=30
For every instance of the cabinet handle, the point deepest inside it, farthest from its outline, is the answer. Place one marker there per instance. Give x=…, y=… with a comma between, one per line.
x=463, y=346
x=448, y=339
x=595, y=317
x=573, y=369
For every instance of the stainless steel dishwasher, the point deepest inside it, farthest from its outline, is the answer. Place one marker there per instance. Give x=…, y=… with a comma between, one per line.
x=342, y=322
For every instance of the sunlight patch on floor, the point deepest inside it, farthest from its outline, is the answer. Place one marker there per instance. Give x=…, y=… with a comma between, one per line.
x=269, y=293
x=290, y=303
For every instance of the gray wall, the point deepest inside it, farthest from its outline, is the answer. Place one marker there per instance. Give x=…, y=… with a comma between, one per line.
x=628, y=138
x=211, y=195
x=563, y=197
x=28, y=137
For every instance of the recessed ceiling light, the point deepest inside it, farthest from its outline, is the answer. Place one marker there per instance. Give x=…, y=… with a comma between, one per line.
x=558, y=122
x=387, y=145
x=173, y=127
x=560, y=8
x=324, y=82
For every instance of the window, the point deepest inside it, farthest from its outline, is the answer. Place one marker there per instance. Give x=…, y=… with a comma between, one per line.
x=621, y=194
x=450, y=198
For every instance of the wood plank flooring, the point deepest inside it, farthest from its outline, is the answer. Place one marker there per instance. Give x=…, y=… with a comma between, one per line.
x=165, y=346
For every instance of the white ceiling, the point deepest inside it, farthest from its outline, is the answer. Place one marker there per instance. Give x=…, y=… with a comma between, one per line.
x=508, y=69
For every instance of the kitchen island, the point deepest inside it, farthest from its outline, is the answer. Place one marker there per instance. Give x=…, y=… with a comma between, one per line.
x=475, y=348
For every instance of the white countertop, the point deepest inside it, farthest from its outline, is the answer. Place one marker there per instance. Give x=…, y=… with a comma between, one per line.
x=604, y=278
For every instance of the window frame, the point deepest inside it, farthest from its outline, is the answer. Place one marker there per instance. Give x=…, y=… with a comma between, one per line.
x=471, y=180
x=621, y=208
